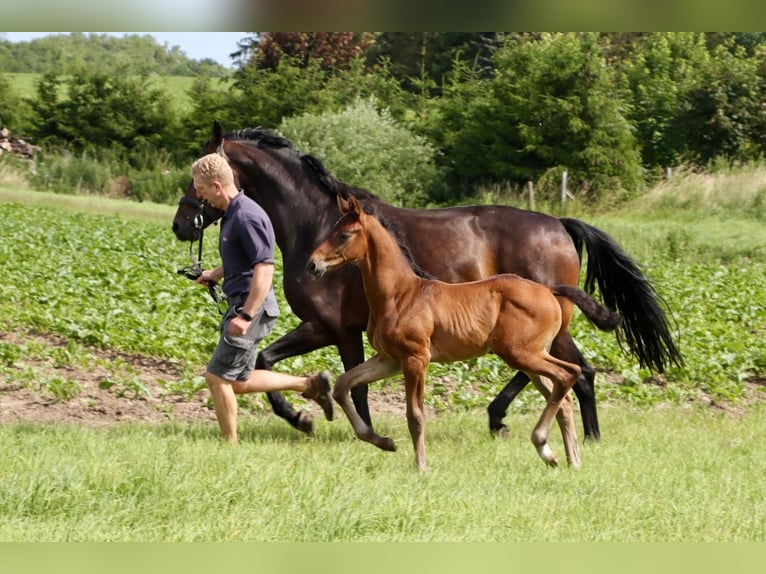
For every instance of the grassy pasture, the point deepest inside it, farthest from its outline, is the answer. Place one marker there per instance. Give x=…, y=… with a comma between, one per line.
x=661, y=475
x=670, y=468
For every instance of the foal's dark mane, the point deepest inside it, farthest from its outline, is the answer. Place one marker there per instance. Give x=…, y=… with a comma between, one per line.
x=266, y=139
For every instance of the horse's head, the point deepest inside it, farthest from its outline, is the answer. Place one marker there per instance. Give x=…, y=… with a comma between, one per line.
x=346, y=241
x=193, y=215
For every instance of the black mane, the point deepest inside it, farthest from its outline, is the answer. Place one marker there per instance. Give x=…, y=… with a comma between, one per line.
x=266, y=139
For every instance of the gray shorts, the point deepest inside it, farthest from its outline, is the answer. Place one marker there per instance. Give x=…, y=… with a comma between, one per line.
x=234, y=357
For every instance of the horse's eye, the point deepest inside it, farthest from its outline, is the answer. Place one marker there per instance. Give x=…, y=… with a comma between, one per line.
x=343, y=237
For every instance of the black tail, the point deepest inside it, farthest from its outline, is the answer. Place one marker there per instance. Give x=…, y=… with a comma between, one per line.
x=603, y=318
x=623, y=287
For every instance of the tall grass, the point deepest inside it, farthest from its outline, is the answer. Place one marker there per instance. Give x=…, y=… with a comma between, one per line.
x=662, y=475
x=728, y=191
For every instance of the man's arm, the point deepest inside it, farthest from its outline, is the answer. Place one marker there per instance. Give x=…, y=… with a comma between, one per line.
x=263, y=274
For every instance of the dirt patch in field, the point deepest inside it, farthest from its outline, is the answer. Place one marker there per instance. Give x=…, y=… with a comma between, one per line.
x=26, y=395
x=95, y=402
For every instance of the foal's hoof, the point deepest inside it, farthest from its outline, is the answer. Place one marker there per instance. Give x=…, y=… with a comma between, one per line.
x=305, y=423
x=498, y=431
x=552, y=462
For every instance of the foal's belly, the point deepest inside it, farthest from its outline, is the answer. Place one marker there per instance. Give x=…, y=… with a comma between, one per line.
x=450, y=352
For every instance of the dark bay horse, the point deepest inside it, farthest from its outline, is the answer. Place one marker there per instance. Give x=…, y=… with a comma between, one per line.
x=454, y=244
x=415, y=320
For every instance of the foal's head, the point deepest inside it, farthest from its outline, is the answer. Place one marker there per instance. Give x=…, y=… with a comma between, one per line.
x=346, y=243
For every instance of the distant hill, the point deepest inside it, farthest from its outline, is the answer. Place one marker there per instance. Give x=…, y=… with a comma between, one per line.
x=133, y=54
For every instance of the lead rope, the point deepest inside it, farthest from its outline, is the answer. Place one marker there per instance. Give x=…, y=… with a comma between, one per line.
x=194, y=269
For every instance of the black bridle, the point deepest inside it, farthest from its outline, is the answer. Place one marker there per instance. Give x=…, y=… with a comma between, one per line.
x=194, y=269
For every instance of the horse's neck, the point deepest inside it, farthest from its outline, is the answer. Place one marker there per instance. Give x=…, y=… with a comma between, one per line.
x=300, y=212
x=385, y=270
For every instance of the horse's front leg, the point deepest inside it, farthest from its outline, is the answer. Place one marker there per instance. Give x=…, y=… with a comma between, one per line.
x=373, y=369
x=414, y=369
x=305, y=338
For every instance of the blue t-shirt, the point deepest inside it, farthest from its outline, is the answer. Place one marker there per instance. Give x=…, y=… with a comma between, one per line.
x=246, y=238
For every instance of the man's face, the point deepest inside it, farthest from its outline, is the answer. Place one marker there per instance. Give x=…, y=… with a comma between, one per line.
x=210, y=192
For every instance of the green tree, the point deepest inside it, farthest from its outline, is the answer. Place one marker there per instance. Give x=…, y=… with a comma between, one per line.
x=553, y=105
x=450, y=123
x=331, y=50
x=661, y=73
x=723, y=113
x=422, y=60
x=10, y=103
x=117, y=112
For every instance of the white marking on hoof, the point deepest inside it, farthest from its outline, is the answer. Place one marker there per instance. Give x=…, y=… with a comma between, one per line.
x=546, y=454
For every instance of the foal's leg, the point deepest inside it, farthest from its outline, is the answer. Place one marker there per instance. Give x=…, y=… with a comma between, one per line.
x=414, y=369
x=563, y=375
x=373, y=369
x=565, y=419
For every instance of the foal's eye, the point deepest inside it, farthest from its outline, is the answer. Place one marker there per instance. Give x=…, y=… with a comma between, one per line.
x=343, y=237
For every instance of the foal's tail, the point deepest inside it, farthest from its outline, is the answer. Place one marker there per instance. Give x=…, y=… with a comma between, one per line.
x=623, y=287
x=602, y=317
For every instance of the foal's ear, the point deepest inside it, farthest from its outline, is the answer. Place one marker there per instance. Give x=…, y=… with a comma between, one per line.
x=348, y=204
x=343, y=206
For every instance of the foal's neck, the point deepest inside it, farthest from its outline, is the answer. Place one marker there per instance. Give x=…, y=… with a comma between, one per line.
x=385, y=269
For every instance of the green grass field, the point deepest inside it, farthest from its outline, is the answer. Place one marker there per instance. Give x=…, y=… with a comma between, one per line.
x=662, y=475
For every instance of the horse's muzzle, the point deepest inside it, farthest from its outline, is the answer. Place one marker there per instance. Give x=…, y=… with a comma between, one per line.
x=185, y=231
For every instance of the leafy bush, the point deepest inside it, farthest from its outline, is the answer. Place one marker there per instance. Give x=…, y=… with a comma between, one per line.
x=72, y=174
x=364, y=146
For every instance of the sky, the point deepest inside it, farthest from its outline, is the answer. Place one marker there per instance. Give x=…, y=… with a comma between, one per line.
x=196, y=45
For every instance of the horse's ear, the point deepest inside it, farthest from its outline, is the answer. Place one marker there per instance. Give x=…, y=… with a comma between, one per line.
x=217, y=139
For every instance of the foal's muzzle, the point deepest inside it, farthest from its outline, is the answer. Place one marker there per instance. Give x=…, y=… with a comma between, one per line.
x=315, y=269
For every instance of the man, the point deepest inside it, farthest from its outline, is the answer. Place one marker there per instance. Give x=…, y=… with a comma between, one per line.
x=246, y=246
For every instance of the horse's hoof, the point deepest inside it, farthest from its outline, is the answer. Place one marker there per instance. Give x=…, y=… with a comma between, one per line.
x=499, y=431
x=305, y=423
x=552, y=462
x=387, y=444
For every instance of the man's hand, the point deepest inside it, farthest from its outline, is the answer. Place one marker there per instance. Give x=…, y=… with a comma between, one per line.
x=238, y=326
x=207, y=277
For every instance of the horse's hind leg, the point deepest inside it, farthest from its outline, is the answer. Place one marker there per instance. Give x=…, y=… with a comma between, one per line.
x=373, y=369
x=585, y=389
x=498, y=408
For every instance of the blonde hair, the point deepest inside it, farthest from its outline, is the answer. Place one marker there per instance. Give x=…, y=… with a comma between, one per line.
x=213, y=167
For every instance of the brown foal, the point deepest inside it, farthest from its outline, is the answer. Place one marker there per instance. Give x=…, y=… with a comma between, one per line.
x=416, y=320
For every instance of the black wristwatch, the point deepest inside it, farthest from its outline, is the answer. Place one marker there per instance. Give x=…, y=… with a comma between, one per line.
x=246, y=316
